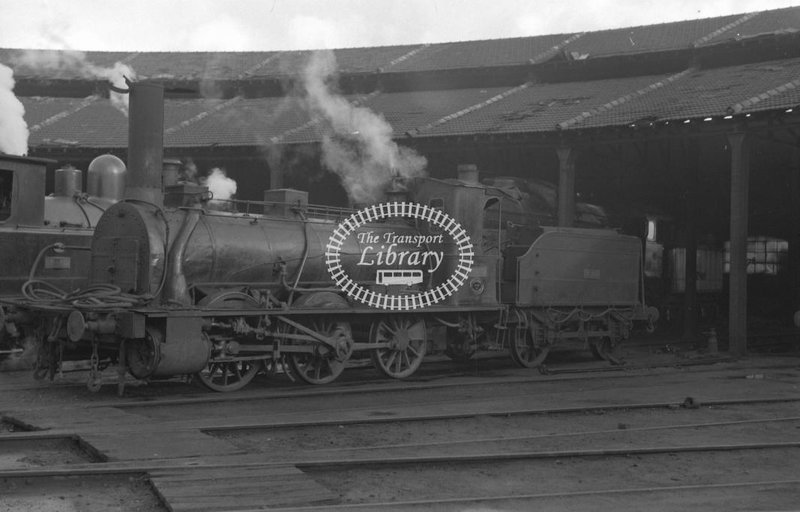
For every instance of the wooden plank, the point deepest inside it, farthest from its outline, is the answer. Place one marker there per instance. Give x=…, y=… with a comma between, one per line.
x=247, y=502
x=223, y=481
x=231, y=487
x=265, y=469
x=252, y=494
x=225, y=473
x=201, y=489
x=164, y=445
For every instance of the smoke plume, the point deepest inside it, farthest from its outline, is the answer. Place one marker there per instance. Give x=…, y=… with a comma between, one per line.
x=63, y=62
x=220, y=184
x=361, y=150
x=13, y=128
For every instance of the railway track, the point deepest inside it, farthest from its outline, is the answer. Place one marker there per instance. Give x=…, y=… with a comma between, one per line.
x=353, y=478
x=361, y=374
x=600, y=441
x=177, y=392
x=642, y=498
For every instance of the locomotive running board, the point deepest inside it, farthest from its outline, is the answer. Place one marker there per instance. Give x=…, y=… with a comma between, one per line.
x=160, y=313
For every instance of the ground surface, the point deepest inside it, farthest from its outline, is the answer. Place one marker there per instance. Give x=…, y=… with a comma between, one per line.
x=668, y=431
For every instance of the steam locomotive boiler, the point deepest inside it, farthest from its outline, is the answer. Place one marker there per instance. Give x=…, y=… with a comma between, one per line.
x=180, y=288
x=235, y=290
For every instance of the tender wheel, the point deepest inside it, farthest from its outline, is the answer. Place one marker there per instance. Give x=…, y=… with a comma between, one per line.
x=229, y=375
x=406, y=337
x=527, y=350
x=322, y=365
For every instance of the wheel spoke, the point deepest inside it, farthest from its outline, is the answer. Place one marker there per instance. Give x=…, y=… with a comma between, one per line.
x=228, y=376
x=524, y=349
x=321, y=367
x=407, y=335
x=392, y=357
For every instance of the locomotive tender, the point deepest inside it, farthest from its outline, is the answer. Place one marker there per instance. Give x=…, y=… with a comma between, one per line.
x=180, y=288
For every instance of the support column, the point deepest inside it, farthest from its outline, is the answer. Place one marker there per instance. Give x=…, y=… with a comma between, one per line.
x=566, y=186
x=690, y=264
x=794, y=237
x=740, y=189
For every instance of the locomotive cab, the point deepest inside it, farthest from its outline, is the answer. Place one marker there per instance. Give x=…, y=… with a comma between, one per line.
x=31, y=222
x=22, y=185
x=459, y=198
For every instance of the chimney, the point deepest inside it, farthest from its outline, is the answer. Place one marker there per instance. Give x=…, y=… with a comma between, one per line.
x=397, y=191
x=145, y=142
x=468, y=173
x=172, y=168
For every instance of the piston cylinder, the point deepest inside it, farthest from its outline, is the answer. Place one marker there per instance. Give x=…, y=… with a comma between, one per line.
x=187, y=351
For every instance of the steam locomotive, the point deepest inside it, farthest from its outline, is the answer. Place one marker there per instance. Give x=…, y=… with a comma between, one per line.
x=178, y=286
x=38, y=229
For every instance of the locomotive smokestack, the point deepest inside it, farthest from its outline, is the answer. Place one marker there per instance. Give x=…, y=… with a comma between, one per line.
x=172, y=169
x=397, y=191
x=145, y=142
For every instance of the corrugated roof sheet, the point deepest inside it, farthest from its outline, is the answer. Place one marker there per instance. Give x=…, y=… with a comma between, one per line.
x=417, y=58
x=529, y=108
x=710, y=93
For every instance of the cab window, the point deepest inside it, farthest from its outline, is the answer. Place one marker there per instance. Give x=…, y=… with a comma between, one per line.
x=6, y=181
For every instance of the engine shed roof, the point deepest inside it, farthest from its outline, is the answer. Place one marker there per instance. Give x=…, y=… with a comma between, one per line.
x=692, y=94
x=648, y=76
x=414, y=58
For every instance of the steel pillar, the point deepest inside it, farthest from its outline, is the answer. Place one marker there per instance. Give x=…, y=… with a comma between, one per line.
x=566, y=186
x=740, y=189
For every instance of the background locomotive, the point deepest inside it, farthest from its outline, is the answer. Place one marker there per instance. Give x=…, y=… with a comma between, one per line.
x=179, y=288
x=53, y=232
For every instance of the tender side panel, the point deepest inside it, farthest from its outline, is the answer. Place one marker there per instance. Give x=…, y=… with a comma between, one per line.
x=580, y=267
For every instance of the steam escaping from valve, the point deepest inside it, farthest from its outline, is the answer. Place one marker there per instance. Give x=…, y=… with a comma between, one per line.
x=13, y=128
x=220, y=184
x=71, y=61
x=360, y=148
